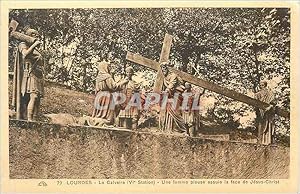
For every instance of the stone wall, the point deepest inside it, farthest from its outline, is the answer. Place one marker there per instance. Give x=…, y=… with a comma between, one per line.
x=40, y=150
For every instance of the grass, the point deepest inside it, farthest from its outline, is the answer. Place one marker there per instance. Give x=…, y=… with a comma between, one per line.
x=59, y=99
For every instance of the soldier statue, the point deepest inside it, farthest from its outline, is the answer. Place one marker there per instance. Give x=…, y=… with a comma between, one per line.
x=129, y=116
x=28, y=81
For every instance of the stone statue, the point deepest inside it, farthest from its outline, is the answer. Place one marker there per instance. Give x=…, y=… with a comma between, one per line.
x=265, y=118
x=128, y=116
x=105, y=86
x=28, y=83
x=170, y=116
x=191, y=108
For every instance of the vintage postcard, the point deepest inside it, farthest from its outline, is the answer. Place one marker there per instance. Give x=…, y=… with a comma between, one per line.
x=149, y=96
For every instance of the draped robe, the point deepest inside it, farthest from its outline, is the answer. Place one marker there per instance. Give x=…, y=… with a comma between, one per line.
x=265, y=118
x=105, y=84
x=171, y=118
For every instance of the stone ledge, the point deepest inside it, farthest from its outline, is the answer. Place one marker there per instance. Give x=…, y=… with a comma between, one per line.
x=43, y=150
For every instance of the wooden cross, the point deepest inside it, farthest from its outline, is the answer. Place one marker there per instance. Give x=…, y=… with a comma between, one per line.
x=164, y=57
x=154, y=65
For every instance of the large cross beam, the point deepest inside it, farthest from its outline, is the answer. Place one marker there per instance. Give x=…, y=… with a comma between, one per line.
x=164, y=57
x=154, y=65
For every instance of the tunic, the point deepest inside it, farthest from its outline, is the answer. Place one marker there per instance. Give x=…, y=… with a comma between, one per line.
x=129, y=89
x=192, y=117
x=28, y=76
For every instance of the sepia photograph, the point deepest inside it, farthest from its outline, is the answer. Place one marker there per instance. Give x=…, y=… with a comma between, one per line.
x=158, y=95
